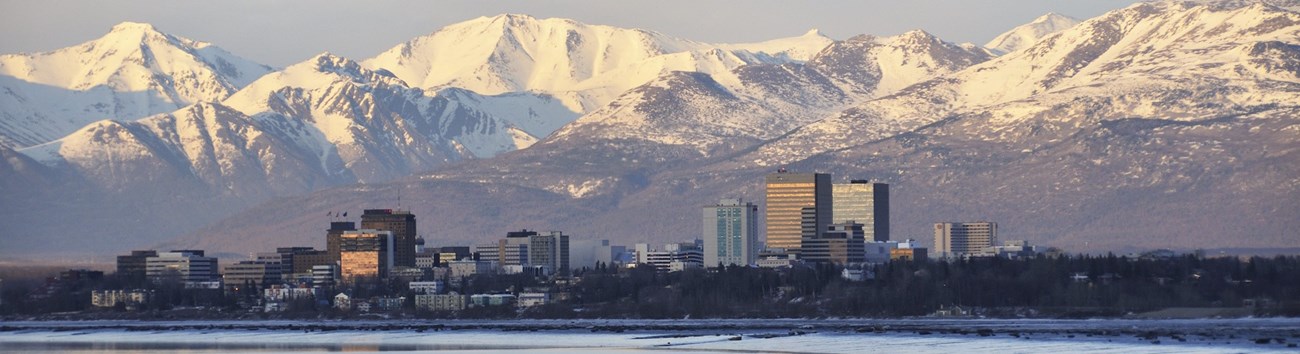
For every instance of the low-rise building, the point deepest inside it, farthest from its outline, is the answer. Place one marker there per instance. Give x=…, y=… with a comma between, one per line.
x=533, y=299
x=389, y=303
x=110, y=298
x=674, y=257
x=406, y=274
x=438, y=303
x=427, y=287
x=467, y=268
x=285, y=293
x=781, y=260
x=342, y=302
x=1010, y=249
x=492, y=299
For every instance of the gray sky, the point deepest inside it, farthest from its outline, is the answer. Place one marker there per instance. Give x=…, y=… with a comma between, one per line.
x=282, y=32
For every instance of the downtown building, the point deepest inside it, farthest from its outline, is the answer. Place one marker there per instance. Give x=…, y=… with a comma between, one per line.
x=133, y=267
x=334, y=239
x=255, y=273
x=730, y=233
x=526, y=248
x=402, y=225
x=865, y=203
x=961, y=239
x=674, y=257
x=181, y=266
x=366, y=254
x=799, y=205
x=841, y=244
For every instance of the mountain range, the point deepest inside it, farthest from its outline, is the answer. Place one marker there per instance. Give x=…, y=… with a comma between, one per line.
x=1167, y=124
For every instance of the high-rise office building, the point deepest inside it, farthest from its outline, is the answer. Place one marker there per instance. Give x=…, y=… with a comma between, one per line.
x=258, y=273
x=183, y=266
x=366, y=253
x=132, y=267
x=332, y=238
x=302, y=262
x=787, y=196
x=841, y=244
x=528, y=248
x=957, y=239
x=864, y=203
x=402, y=224
x=730, y=233
x=550, y=250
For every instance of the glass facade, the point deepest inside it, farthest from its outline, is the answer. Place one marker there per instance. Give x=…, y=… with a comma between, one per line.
x=864, y=203
x=787, y=195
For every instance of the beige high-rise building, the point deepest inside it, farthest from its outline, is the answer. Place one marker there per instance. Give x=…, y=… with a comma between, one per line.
x=787, y=196
x=957, y=239
x=864, y=203
x=365, y=253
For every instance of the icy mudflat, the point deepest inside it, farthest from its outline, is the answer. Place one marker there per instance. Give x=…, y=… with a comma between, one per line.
x=692, y=336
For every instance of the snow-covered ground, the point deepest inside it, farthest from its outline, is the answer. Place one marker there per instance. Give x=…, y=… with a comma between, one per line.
x=690, y=336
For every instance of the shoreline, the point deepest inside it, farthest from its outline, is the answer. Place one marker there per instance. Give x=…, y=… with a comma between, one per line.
x=1250, y=334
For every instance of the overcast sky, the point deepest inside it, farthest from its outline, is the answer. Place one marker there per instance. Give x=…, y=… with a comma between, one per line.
x=282, y=32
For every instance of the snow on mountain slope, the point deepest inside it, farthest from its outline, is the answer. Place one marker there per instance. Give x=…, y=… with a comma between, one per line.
x=585, y=66
x=512, y=53
x=880, y=66
x=1027, y=34
x=534, y=116
x=755, y=102
x=320, y=122
x=1172, y=59
x=131, y=72
x=1143, y=44
x=798, y=49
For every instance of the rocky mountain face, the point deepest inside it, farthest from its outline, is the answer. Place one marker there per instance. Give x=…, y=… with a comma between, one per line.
x=131, y=72
x=1158, y=125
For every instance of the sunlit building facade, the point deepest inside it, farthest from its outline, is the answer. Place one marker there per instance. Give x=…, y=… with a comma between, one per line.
x=958, y=239
x=365, y=254
x=865, y=203
x=787, y=196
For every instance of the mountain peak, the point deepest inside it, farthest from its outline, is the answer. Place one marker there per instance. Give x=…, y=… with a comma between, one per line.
x=917, y=33
x=131, y=33
x=133, y=26
x=514, y=17
x=815, y=32
x=1052, y=16
x=1027, y=34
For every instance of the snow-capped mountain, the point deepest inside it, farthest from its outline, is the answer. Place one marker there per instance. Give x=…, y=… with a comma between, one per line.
x=131, y=72
x=763, y=101
x=1027, y=34
x=583, y=65
x=1156, y=125
x=321, y=122
x=1172, y=59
